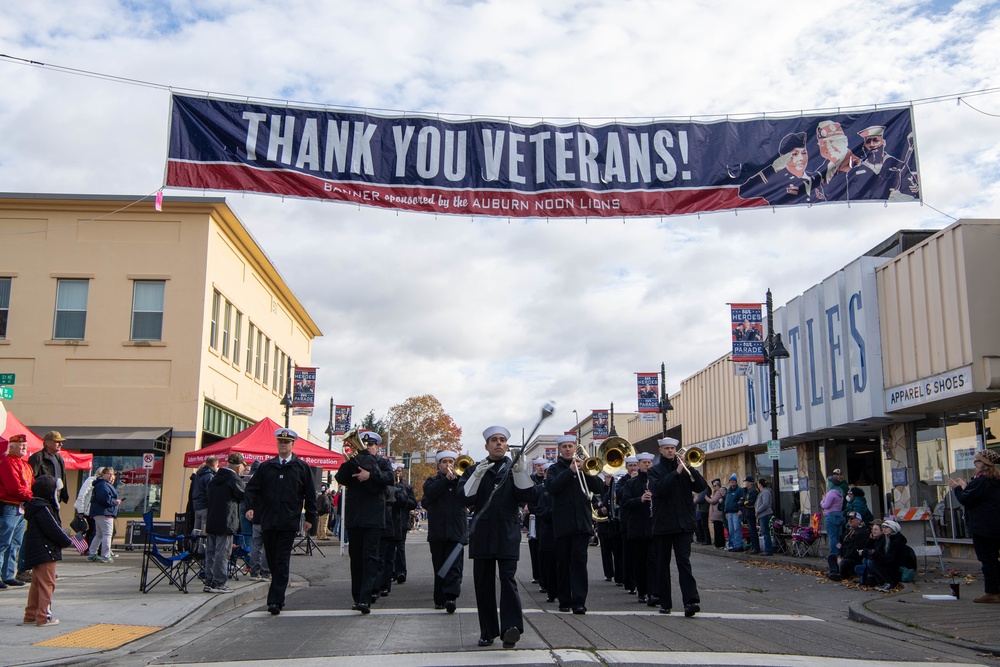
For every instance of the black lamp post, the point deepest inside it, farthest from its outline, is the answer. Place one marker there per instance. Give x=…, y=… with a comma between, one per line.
x=286, y=400
x=774, y=350
x=329, y=429
x=665, y=406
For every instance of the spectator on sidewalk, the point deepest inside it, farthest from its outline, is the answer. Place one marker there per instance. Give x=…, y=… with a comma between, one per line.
x=856, y=502
x=833, y=509
x=323, y=508
x=104, y=502
x=16, y=479
x=887, y=555
x=764, y=509
x=734, y=522
x=981, y=499
x=200, y=480
x=82, y=503
x=716, y=503
x=749, y=513
x=44, y=541
x=222, y=522
x=259, y=570
x=48, y=461
x=853, y=543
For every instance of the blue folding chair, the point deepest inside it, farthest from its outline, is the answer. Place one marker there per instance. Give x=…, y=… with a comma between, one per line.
x=239, y=559
x=157, y=566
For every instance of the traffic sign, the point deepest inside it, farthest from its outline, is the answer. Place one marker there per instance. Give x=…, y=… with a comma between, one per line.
x=147, y=460
x=774, y=449
x=6, y=378
x=7, y=393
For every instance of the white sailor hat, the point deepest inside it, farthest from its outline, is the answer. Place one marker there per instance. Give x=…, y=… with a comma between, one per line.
x=495, y=430
x=668, y=442
x=548, y=464
x=873, y=131
x=631, y=459
x=286, y=434
x=644, y=456
x=603, y=475
x=539, y=461
x=398, y=466
x=369, y=437
x=445, y=455
x=565, y=438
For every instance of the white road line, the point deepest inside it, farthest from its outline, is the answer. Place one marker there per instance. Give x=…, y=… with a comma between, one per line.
x=333, y=613
x=491, y=657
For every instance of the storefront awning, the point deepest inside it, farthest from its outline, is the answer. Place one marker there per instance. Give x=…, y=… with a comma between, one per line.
x=91, y=438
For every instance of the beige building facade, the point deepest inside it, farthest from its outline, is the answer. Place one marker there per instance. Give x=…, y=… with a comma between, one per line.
x=135, y=331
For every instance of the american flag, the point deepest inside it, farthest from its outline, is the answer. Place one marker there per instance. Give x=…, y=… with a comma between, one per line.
x=79, y=542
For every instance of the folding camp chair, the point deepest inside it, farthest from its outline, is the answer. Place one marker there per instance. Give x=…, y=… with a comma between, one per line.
x=239, y=559
x=156, y=566
x=805, y=542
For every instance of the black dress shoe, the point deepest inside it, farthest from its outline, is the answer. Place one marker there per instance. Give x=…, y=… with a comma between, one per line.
x=510, y=637
x=384, y=593
x=450, y=606
x=652, y=601
x=534, y=581
x=274, y=609
x=664, y=611
x=364, y=608
x=691, y=609
x=439, y=606
x=565, y=609
x=630, y=591
x=642, y=599
x=541, y=589
x=374, y=598
x=401, y=579
x=580, y=610
x=485, y=642
x=618, y=583
x=607, y=578
x=3, y=586
x=550, y=599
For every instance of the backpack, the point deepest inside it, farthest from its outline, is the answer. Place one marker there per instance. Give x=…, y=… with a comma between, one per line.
x=908, y=569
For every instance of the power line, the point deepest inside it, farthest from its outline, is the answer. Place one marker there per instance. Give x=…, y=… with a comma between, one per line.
x=319, y=105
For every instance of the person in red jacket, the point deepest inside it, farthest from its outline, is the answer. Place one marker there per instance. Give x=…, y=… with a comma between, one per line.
x=16, y=479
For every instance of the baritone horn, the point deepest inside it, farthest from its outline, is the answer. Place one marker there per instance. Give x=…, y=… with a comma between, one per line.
x=462, y=463
x=352, y=443
x=612, y=454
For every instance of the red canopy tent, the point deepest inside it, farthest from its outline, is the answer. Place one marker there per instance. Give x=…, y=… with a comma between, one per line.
x=257, y=443
x=73, y=460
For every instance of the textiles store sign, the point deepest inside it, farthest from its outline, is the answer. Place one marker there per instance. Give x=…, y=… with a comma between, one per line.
x=927, y=390
x=833, y=375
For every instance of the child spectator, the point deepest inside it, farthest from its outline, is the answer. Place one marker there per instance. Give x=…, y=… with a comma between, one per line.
x=44, y=541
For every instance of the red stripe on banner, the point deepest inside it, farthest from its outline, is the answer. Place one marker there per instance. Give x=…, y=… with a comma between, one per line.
x=491, y=203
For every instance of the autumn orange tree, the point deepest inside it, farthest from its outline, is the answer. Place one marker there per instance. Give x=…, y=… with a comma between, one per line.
x=419, y=425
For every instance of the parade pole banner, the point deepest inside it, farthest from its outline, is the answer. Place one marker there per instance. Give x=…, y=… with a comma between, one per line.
x=491, y=167
x=648, y=391
x=748, y=332
x=341, y=419
x=599, y=424
x=304, y=387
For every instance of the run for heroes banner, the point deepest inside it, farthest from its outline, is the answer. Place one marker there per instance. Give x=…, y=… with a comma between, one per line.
x=341, y=419
x=599, y=424
x=748, y=332
x=490, y=167
x=648, y=390
x=304, y=387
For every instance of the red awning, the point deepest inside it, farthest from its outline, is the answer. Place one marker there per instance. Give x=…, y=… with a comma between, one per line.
x=73, y=460
x=257, y=443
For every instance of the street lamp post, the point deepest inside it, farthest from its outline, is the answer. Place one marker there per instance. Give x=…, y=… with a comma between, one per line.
x=286, y=400
x=665, y=406
x=774, y=350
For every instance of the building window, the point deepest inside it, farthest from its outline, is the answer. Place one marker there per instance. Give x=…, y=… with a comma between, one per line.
x=250, y=335
x=227, y=317
x=4, y=305
x=147, y=310
x=267, y=358
x=71, y=309
x=281, y=374
x=257, y=352
x=237, y=325
x=277, y=365
x=213, y=334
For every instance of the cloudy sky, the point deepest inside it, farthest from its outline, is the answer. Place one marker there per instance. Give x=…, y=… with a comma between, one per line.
x=492, y=316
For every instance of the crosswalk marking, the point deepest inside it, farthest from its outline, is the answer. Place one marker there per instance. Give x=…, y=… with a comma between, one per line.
x=491, y=657
x=333, y=613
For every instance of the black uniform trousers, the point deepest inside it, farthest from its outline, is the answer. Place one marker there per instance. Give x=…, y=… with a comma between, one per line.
x=278, y=550
x=719, y=533
x=399, y=567
x=607, y=550
x=448, y=587
x=548, y=574
x=533, y=552
x=679, y=544
x=363, y=550
x=637, y=565
x=387, y=547
x=571, y=563
x=750, y=517
x=485, y=572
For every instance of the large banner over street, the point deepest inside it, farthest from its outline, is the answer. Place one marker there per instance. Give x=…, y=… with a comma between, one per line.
x=489, y=167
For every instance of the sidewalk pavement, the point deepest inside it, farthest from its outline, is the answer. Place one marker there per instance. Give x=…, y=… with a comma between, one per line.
x=960, y=622
x=101, y=609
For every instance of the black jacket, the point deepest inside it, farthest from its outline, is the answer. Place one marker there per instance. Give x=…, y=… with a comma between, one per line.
x=981, y=500
x=365, y=506
x=41, y=465
x=200, y=480
x=543, y=521
x=636, y=520
x=447, y=520
x=572, y=512
x=853, y=541
x=224, y=496
x=277, y=493
x=497, y=533
x=672, y=489
x=44, y=540
x=406, y=501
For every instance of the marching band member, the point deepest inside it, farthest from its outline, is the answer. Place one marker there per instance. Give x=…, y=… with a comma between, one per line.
x=547, y=573
x=447, y=524
x=672, y=484
x=537, y=478
x=365, y=477
x=495, y=491
x=572, y=523
x=407, y=503
x=641, y=560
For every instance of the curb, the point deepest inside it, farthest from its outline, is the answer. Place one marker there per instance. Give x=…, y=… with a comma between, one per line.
x=860, y=613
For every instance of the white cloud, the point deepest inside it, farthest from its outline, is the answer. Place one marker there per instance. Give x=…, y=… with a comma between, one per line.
x=491, y=316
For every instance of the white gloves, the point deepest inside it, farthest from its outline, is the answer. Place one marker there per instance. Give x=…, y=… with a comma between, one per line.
x=519, y=466
x=522, y=479
x=472, y=486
